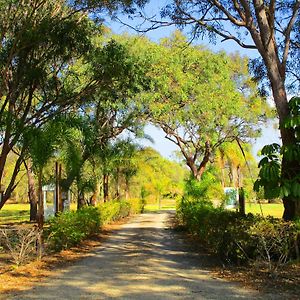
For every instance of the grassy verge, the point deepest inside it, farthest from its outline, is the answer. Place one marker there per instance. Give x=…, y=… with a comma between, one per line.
x=19, y=213
x=14, y=213
x=274, y=210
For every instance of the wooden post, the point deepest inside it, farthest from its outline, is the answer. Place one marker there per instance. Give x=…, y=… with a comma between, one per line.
x=40, y=216
x=59, y=189
x=56, y=189
x=241, y=193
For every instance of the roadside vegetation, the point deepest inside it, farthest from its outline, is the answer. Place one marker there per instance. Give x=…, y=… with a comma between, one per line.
x=75, y=99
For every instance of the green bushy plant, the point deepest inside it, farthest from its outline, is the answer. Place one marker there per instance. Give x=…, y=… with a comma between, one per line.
x=69, y=228
x=206, y=190
x=114, y=210
x=118, y=209
x=240, y=239
x=136, y=205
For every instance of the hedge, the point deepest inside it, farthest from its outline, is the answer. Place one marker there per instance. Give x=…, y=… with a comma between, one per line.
x=70, y=228
x=241, y=239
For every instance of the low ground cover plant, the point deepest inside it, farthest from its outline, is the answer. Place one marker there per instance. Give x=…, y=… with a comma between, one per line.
x=241, y=239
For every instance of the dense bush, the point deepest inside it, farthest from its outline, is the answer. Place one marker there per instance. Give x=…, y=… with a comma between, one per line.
x=207, y=189
x=114, y=210
x=241, y=239
x=69, y=228
x=137, y=206
x=118, y=209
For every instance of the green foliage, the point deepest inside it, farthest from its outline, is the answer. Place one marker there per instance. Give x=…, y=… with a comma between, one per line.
x=186, y=97
x=156, y=176
x=117, y=209
x=207, y=189
x=114, y=210
x=137, y=205
x=69, y=228
x=240, y=239
x=270, y=174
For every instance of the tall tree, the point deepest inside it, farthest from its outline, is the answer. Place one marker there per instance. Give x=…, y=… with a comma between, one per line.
x=39, y=40
x=200, y=99
x=109, y=110
x=269, y=26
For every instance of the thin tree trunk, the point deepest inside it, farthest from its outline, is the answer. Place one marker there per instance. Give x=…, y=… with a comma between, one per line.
x=126, y=188
x=80, y=200
x=96, y=194
x=105, y=187
x=40, y=201
x=32, y=194
x=118, y=184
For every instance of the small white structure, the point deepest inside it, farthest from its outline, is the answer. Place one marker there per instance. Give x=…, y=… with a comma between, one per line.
x=231, y=197
x=49, y=210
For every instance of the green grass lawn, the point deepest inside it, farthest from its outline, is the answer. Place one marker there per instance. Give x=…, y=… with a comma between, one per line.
x=14, y=213
x=18, y=213
x=275, y=210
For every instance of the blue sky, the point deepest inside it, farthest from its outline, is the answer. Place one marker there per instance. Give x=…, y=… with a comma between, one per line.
x=269, y=133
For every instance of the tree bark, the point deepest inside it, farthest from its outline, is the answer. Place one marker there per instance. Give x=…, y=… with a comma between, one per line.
x=266, y=45
x=105, y=187
x=32, y=194
x=40, y=202
x=118, y=184
x=288, y=168
x=80, y=200
x=126, y=188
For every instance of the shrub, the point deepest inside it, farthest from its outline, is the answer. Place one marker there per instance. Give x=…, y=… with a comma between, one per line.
x=207, y=189
x=69, y=228
x=114, y=210
x=240, y=239
x=136, y=205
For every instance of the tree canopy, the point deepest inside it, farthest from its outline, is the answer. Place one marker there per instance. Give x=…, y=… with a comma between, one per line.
x=199, y=98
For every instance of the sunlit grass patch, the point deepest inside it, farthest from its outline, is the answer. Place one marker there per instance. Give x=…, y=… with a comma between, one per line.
x=270, y=209
x=14, y=213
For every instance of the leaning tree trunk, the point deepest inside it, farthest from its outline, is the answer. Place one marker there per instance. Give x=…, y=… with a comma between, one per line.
x=32, y=194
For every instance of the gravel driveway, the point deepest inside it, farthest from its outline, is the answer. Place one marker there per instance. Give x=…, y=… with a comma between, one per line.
x=142, y=260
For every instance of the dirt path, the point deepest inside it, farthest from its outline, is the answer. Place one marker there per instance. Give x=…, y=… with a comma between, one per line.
x=142, y=260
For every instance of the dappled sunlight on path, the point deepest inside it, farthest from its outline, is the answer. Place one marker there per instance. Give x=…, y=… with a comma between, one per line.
x=142, y=260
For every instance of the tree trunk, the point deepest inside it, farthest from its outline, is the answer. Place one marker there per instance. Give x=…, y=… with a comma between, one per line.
x=80, y=200
x=40, y=202
x=204, y=161
x=96, y=194
x=242, y=209
x=32, y=194
x=105, y=187
x=288, y=169
x=118, y=184
x=126, y=188
x=40, y=218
